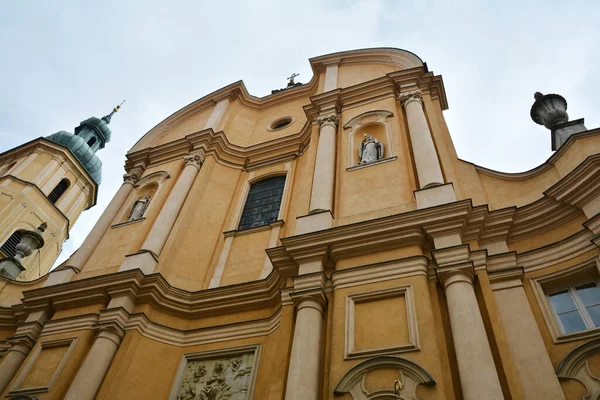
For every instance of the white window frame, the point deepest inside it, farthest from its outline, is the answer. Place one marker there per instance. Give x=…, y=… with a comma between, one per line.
x=580, y=307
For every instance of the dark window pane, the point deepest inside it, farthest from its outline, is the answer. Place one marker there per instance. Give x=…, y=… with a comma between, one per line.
x=594, y=312
x=589, y=294
x=263, y=203
x=572, y=322
x=9, y=248
x=58, y=191
x=562, y=301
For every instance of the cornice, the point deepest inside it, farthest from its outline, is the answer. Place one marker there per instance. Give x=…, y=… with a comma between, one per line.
x=208, y=142
x=399, y=58
x=154, y=289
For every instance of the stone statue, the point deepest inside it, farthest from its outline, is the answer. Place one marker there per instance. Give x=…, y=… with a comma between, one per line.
x=139, y=207
x=370, y=150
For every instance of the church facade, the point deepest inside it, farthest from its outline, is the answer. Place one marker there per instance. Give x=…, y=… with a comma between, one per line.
x=322, y=242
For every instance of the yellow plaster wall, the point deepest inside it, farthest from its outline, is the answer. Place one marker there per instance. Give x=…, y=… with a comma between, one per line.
x=246, y=258
x=353, y=74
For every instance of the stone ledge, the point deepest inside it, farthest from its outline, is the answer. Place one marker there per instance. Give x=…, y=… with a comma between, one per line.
x=381, y=161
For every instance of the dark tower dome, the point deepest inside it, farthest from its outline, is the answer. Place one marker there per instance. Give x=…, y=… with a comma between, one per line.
x=90, y=136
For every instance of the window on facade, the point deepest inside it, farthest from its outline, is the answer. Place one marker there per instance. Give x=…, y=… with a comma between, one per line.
x=577, y=307
x=58, y=191
x=91, y=141
x=263, y=202
x=9, y=248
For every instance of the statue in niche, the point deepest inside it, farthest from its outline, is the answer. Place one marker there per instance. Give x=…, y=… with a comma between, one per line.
x=139, y=207
x=370, y=150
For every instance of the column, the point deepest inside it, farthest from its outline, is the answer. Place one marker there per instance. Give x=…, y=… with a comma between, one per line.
x=91, y=374
x=478, y=375
x=21, y=344
x=525, y=341
x=303, y=382
x=12, y=361
x=82, y=255
x=429, y=171
x=49, y=169
x=168, y=214
x=321, y=197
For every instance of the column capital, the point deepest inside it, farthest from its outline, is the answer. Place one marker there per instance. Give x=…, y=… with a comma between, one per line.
x=311, y=298
x=132, y=177
x=194, y=159
x=329, y=118
x=407, y=97
x=461, y=272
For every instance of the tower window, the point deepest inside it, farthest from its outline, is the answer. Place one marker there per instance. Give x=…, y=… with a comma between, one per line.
x=263, y=203
x=92, y=141
x=58, y=190
x=9, y=248
x=577, y=308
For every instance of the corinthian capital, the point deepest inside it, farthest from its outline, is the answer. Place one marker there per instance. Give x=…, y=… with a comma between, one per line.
x=407, y=97
x=195, y=159
x=132, y=177
x=328, y=119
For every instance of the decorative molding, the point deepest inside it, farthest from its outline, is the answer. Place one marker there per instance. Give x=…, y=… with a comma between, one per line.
x=410, y=374
x=16, y=388
x=193, y=376
x=194, y=159
x=132, y=177
x=328, y=119
x=575, y=366
x=380, y=161
x=380, y=272
x=407, y=97
x=410, y=316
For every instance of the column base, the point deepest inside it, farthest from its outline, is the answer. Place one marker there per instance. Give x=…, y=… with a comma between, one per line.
x=435, y=196
x=317, y=221
x=143, y=259
x=57, y=277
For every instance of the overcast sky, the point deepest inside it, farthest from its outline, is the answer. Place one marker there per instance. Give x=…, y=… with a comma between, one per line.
x=64, y=61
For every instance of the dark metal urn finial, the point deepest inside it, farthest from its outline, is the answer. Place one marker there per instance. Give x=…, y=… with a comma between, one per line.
x=549, y=110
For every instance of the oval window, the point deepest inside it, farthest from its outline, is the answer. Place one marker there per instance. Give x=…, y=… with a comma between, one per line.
x=280, y=123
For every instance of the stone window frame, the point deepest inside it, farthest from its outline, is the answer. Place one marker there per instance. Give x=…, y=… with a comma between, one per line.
x=405, y=291
x=210, y=354
x=252, y=178
x=356, y=124
x=15, y=390
x=158, y=178
x=546, y=285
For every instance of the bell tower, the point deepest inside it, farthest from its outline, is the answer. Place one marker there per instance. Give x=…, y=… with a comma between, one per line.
x=47, y=182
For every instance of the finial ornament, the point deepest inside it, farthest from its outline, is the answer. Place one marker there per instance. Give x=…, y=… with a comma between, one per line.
x=549, y=110
x=108, y=117
x=328, y=119
x=407, y=97
x=194, y=159
x=132, y=177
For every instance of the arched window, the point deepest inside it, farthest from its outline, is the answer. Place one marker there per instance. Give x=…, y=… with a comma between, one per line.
x=58, y=190
x=263, y=203
x=9, y=248
x=92, y=141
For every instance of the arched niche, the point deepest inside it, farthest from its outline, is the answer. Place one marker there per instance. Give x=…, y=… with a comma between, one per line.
x=575, y=366
x=375, y=123
x=410, y=374
x=141, y=199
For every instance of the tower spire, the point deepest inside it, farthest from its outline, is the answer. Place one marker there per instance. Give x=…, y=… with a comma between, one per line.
x=107, y=118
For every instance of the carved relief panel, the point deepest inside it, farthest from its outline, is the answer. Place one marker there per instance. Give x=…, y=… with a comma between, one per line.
x=217, y=375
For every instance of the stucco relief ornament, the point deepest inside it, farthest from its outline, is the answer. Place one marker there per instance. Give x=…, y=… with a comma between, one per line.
x=221, y=379
x=415, y=95
x=194, y=159
x=132, y=178
x=139, y=208
x=370, y=150
x=328, y=119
